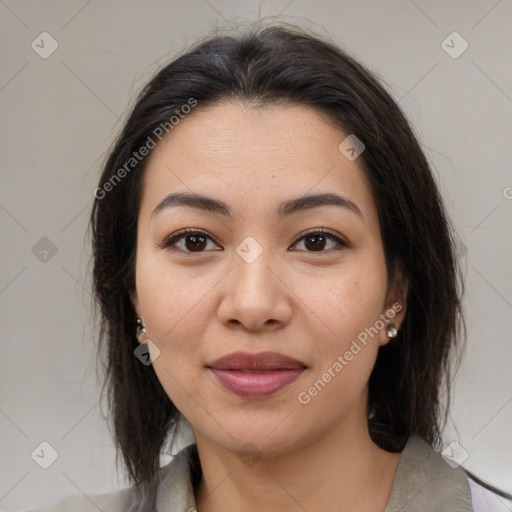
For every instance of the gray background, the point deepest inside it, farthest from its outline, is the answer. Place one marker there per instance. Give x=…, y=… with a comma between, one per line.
x=59, y=117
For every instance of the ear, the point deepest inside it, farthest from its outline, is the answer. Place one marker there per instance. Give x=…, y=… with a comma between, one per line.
x=134, y=297
x=395, y=305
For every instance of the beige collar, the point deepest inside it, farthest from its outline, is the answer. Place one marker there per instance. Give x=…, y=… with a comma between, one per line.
x=424, y=482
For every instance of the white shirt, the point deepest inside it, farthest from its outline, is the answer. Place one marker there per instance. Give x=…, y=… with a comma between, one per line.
x=486, y=501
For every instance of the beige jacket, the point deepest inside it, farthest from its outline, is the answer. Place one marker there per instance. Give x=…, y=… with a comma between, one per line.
x=424, y=482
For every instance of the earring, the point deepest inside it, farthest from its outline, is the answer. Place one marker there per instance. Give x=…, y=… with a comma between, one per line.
x=391, y=331
x=141, y=331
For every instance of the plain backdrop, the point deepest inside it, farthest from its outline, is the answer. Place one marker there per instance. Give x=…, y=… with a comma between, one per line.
x=59, y=116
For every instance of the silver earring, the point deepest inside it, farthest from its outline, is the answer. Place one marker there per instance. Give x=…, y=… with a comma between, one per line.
x=141, y=331
x=391, y=331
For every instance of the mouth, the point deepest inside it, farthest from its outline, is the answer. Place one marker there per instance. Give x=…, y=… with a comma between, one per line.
x=255, y=375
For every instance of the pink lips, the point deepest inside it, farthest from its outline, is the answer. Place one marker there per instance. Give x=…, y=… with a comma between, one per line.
x=256, y=375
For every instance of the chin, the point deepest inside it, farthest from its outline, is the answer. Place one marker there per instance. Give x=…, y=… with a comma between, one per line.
x=258, y=435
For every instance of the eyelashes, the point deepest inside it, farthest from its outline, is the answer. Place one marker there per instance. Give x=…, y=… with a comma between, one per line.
x=200, y=240
x=193, y=234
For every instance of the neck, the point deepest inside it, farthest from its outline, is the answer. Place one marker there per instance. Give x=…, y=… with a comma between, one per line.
x=333, y=473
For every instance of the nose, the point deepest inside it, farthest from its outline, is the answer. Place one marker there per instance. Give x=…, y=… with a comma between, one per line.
x=255, y=295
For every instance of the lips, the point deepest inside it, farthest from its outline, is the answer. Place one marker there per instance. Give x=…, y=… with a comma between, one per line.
x=262, y=361
x=255, y=375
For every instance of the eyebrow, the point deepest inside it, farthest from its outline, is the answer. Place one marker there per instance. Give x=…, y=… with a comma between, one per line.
x=286, y=208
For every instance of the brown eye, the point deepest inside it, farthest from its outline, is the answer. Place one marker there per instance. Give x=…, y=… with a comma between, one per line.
x=195, y=242
x=316, y=241
x=188, y=241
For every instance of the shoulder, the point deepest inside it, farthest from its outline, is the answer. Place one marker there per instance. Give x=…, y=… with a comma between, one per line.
x=117, y=501
x=485, y=500
x=425, y=481
x=428, y=480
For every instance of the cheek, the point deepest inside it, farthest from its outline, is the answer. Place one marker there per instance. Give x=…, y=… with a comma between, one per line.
x=346, y=341
x=172, y=300
x=176, y=322
x=175, y=317
x=342, y=304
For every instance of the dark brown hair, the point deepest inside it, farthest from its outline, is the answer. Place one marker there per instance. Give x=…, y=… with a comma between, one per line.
x=264, y=66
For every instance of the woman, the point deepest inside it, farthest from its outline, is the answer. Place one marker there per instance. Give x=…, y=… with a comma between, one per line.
x=273, y=263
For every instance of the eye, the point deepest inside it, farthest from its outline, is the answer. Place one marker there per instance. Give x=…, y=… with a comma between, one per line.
x=188, y=240
x=194, y=241
x=317, y=240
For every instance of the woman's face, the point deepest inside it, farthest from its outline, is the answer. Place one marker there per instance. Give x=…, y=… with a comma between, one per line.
x=260, y=278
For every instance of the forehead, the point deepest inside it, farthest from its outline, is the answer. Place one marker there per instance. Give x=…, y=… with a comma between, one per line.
x=253, y=156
